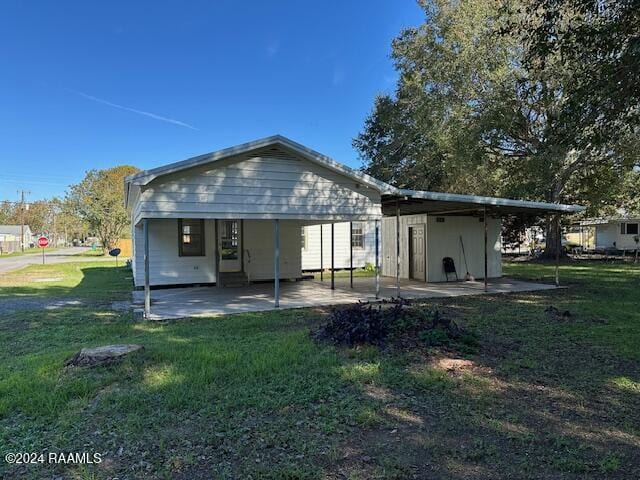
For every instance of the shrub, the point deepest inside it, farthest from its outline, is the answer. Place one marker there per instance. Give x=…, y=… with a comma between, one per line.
x=394, y=322
x=361, y=323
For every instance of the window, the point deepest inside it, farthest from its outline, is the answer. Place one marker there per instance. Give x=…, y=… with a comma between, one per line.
x=629, y=228
x=357, y=235
x=228, y=239
x=191, y=237
x=303, y=237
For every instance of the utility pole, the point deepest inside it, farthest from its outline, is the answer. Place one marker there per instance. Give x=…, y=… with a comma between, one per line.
x=22, y=192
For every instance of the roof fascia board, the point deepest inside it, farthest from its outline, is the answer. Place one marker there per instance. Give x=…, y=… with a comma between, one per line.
x=144, y=177
x=491, y=201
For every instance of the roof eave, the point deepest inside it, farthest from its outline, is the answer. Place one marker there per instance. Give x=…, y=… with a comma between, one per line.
x=490, y=201
x=146, y=176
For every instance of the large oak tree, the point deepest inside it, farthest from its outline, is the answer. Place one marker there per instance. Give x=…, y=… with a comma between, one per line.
x=476, y=110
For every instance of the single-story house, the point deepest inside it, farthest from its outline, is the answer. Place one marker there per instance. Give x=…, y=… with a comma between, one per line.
x=614, y=233
x=237, y=215
x=10, y=238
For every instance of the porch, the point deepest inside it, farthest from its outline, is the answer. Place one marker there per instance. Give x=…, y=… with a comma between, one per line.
x=213, y=301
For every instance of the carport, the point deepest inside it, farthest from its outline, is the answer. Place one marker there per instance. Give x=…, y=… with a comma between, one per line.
x=430, y=205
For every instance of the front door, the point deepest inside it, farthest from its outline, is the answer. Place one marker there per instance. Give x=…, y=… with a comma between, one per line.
x=230, y=245
x=417, y=253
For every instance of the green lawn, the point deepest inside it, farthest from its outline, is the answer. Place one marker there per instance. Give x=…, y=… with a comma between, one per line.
x=252, y=396
x=357, y=273
x=95, y=280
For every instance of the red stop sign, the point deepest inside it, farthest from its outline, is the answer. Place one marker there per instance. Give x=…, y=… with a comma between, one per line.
x=43, y=241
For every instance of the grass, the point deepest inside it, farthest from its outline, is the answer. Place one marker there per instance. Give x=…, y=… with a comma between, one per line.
x=252, y=396
x=28, y=251
x=94, y=280
x=357, y=273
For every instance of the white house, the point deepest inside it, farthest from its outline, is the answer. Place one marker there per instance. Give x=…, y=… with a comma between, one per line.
x=614, y=233
x=236, y=216
x=10, y=238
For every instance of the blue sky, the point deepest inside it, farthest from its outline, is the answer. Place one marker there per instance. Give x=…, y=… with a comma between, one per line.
x=96, y=84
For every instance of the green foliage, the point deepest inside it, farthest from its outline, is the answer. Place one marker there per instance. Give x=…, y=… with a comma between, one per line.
x=597, y=43
x=98, y=200
x=472, y=113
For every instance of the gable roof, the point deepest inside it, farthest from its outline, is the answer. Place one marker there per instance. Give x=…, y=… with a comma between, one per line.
x=258, y=146
x=146, y=176
x=14, y=229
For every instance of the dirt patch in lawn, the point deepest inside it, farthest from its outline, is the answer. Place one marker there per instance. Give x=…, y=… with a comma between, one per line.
x=529, y=405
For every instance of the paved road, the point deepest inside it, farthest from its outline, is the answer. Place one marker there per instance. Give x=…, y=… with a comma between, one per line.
x=58, y=256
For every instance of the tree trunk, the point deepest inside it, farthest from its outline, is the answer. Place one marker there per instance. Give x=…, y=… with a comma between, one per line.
x=552, y=241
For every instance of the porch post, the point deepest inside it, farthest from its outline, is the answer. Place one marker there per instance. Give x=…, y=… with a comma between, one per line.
x=351, y=254
x=216, y=252
x=398, y=247
x=147, y=290
x=558, y=247
x=276, y=262
x=486, y=264
x=377, y=258
x=321, y=262
x=333, y=281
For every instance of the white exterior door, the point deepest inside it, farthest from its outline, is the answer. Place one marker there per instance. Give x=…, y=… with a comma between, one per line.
x=417, y=253
x=230, y=245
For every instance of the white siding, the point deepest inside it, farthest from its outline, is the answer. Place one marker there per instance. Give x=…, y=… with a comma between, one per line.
x=258, y=187
x=166, y=267
x=258, y=245
x=609, y=236
x=389, y=243
x=361, y=256
x=443, y=240
x=606, y=235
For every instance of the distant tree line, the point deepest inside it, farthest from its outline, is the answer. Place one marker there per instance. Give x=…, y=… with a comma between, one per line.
x=94, y=207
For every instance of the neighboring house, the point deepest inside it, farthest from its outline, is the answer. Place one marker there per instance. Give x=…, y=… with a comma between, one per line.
x=614, y=233
x=316, y=254
x=10, y=238
x=226, y=217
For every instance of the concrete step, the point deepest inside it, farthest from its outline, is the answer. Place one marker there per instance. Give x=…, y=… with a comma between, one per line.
x=233, y=279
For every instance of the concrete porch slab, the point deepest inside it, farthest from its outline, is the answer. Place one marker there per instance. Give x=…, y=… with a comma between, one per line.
x=212, y=301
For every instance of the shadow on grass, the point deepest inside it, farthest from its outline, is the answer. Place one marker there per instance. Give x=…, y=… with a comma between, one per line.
x=71, y=280
x=252, y=395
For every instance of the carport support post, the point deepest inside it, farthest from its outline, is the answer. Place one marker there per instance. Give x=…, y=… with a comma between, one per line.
x=486, y=265
x=276, y=262
x=321, y=262
x=398, y=247
x=333, y=280
x=147, y=291
x=558, y=247
x=351, y=254
x=377, y=258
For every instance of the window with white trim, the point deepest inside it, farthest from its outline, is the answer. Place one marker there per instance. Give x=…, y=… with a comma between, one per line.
x=303, y=237
x=357, y=235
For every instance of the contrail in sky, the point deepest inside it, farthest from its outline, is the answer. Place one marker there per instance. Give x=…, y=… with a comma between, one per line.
x=133, y=110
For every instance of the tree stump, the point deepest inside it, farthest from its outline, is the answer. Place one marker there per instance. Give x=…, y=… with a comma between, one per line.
x=90, y=357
